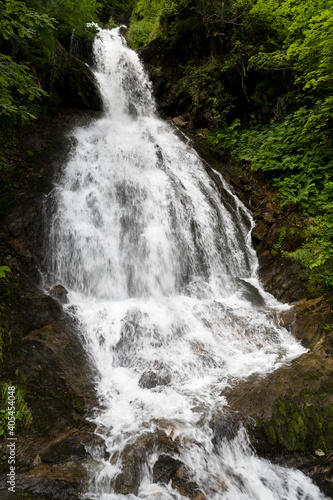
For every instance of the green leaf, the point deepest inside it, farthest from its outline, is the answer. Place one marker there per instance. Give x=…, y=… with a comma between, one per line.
x=4, y=270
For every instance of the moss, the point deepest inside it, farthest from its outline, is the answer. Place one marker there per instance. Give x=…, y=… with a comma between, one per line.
x=311, y=375
x=297, y=425
x=271, y=435
x=296, y=433
x=308, y=393
x=326, y=386
x=79, y=405
x=279, y=414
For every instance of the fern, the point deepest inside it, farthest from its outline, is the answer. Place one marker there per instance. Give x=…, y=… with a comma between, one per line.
x=297, y=196
x=308, y=256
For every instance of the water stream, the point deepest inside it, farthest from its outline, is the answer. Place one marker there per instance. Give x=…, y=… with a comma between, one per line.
x=162, y=282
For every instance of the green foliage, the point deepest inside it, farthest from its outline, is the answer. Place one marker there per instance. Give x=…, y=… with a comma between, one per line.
x=18, y=90
x=145, y=22
x=71, y=15
x=17, y=19
x=107, y=8
x=18, y=87
x=295, y=193
x=23, y=416
x=4, y=270
x=317, y=252
x=208, y=94
x=29, y=29
x=294, y=149
x=111, y=24
x=282, y=232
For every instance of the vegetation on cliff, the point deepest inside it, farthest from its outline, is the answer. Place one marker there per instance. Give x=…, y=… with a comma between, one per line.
x=257, y=76
x=32, y=35
x=29, y=31
x=44, y=48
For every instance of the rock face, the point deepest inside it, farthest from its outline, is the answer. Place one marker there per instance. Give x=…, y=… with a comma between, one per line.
x=73, y=82
x=41, y=354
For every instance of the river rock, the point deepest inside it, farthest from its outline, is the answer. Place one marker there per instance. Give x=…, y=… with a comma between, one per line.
x=59, y=292
x=182, y=483
x=151, y=379
x=165, y=468
x=128, y=481
x=134, y=455
x=168, y=469
x=226, y=425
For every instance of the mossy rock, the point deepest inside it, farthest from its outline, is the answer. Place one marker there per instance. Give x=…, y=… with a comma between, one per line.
x=297, y=426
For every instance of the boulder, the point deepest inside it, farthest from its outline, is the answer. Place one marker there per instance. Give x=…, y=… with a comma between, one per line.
x=59, y=292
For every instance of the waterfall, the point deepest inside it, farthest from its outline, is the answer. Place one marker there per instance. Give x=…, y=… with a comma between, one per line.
x=162, y=282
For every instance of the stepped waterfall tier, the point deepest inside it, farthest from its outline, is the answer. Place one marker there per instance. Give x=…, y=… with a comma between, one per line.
x=162, y=283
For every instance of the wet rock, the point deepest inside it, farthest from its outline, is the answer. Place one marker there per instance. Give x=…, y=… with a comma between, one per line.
x=151, y=379
x=259, y=232
x=165, y=468
x=282, y=277
x=37, y=461
x=311, y=321
x=132, y=110
x=73, y=81
x=320, y=469
x=65, y=447
x=60, y=293
x=269, y=217
x=135, y=455
x=44, y=358
x=227, y=425
x=293, y=406
x=250, y=293
x=8, y=495
x=178, y=121
x=128, y=481
x=182, y=483
x=65, y=482
x=19, y=248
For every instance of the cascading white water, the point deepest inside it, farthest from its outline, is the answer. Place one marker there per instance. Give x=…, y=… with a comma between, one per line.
x=162, y=280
